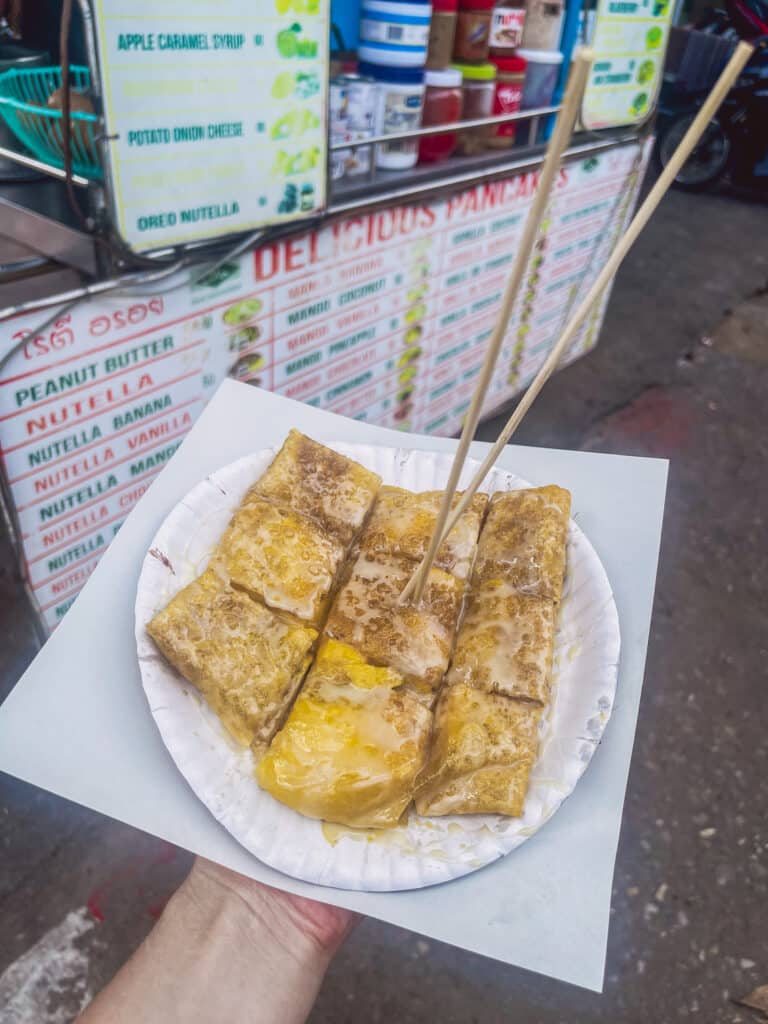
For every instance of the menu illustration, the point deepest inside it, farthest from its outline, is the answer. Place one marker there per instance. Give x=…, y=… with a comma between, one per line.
x=217, y=128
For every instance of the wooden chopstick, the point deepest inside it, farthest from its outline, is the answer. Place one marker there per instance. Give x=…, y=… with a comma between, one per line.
x=719, y=91
x=561, y=136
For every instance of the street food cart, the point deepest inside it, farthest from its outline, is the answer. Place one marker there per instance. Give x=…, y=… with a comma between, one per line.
x=217, y=237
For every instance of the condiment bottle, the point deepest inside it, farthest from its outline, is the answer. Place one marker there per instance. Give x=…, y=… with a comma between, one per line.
x=507, y=98
x=442, y=105
x=441, y=34
x=399, y=101
x=478, y=86
x=507, y=23
x=543, y=24
x=394, y=33
x=473, y=29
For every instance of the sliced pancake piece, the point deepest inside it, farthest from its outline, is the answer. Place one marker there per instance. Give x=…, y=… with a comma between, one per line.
x=402, y=523
x=247, y=661
x=505, y=642
x=352, y=745
x=306, y=476
x=415, y=640
x=483, y=748
x=524, y=540
x=281, y=557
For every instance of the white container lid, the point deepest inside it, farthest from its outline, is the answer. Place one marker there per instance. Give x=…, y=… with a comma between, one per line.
x=450, y=78
x=392, y=58
x=540, y=56
x=406, y=10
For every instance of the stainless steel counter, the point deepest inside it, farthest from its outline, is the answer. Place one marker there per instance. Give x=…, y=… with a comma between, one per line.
x=42, y=249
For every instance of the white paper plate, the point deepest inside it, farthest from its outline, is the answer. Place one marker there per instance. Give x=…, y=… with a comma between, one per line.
x=424, y=851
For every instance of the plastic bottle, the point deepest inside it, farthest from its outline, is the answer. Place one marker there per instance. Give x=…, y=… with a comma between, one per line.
x=507, y=23
x=507, y=98
x=478, y=87
x=473, y=29
x=441, y=34
x=442, y=105
x=399, y=101
x=543, y=24
x=393, y=33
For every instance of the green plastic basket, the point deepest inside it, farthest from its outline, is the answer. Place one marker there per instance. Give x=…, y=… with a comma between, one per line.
x=24, y=106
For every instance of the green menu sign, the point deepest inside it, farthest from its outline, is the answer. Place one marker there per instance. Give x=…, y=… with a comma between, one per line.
x=630, y=41
x=215, y=114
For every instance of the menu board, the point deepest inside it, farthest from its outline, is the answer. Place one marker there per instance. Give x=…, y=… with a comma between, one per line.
x=630, y=41
x=215, y=114
x=383, y=317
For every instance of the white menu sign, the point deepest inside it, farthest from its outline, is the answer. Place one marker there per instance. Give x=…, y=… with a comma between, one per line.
x=215, y=114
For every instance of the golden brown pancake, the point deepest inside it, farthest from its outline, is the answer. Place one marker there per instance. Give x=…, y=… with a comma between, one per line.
x=247, y=661
x=402, y=523
x=415, y=640
x=281, y=557
x=483, y=748
x=318, y=482
x=505, y=643
x=523, y=540
x=352, y=746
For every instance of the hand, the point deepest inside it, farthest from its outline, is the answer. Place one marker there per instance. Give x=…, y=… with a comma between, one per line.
x=226, y=949
x=291, y=920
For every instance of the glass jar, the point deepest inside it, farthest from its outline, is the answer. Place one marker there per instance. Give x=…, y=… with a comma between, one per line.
x=442, y=105
x=478, y=87
x=399, y=101
x=507, y=23
x=507, y=98
x=441, y=34
x=473, y=29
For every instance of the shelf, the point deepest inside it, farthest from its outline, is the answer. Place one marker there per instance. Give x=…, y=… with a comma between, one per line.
x=44, y=253
x=362, y=191
x=42, y=250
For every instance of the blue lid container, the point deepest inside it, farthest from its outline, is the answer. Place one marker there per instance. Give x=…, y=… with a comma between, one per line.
x=394, y=33
x=397, y=76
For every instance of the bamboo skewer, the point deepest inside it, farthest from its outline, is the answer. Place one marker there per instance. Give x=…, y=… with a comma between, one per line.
x=558, y=143
x=719, y=91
